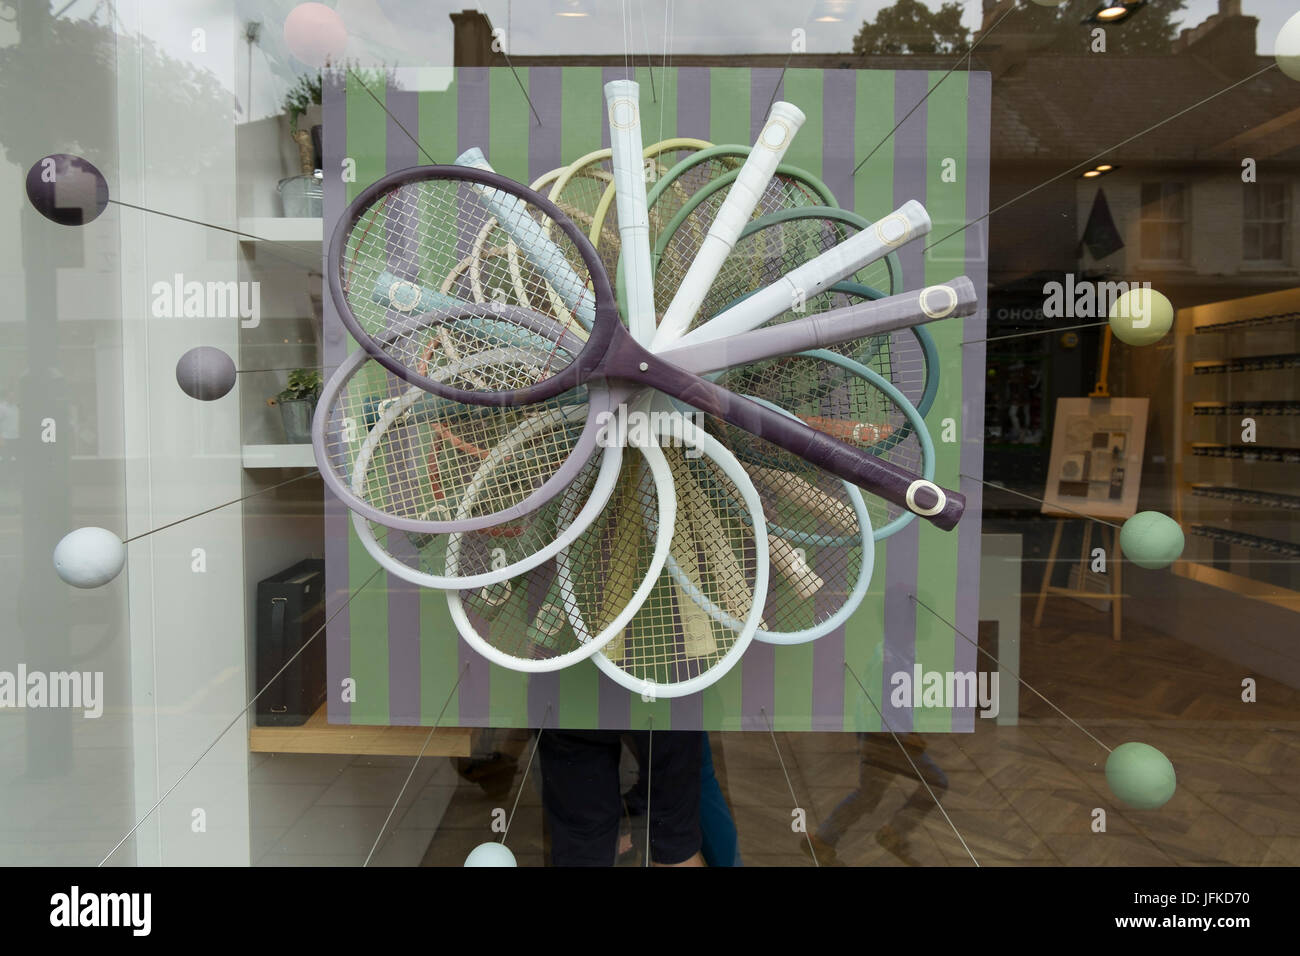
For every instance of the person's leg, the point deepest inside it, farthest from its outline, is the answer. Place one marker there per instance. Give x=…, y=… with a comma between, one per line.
x=670, y=762
x=871, y=787
x=580, y=795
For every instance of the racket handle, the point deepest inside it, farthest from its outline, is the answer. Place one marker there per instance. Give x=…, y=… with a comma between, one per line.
x=918, y=495
x=818, y=274
x=528, y=234
x=828, y=329
x=742, y=199
x=622, y=100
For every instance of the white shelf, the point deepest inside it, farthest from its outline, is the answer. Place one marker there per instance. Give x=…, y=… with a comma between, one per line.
x=279, y=456
x=304, y=232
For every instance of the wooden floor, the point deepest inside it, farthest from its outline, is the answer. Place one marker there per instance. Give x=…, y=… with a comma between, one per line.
x=1015, y=795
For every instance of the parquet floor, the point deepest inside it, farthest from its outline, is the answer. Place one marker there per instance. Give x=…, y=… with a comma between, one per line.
x=1014, y=795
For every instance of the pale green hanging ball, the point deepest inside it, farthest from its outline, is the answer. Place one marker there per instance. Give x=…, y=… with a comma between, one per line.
x=1140, y=776
x=1151, y=540
x=1286, y=49
x=1141, y=316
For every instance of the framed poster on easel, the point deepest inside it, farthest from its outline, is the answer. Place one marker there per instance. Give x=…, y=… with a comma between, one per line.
x=1095, y=471
x=1096, y=463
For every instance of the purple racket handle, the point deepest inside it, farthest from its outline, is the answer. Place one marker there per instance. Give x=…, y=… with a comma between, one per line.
x=922, y=497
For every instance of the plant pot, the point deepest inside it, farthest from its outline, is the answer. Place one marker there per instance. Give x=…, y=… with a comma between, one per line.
x=296, y=415
x=302, y=197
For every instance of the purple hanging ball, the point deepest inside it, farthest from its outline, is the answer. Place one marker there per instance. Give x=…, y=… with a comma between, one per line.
x=67, y=189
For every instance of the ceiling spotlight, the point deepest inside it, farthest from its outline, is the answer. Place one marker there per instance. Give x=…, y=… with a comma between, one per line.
x=1115, y=11
x=832, y=11
x=1105, y=168
x=572, y=8
x=1101, y=170
x=1090, y=174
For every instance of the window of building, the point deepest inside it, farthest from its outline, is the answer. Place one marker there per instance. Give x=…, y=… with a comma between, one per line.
x=1265, y=222
x=1164, y=222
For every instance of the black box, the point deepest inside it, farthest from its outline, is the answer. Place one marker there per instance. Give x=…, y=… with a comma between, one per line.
x=290, y=610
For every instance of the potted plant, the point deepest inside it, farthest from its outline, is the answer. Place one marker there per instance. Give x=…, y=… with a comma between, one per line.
x=297, y=404
x=301, y=195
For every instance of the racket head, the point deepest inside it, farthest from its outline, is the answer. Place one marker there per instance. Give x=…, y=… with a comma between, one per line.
x=494, y=553
x=408, y=460
x=566, y=609
x=415, y=224
x=653, y=658
x=846, y=399
x=820, y=572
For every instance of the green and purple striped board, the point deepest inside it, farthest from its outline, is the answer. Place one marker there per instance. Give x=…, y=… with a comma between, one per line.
x=393, y=644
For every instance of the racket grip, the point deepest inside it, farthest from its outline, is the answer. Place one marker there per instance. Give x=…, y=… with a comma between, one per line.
x=533, y=241
x=742, y=199
x=918, y=495
x=622, y=100
x=818, y=274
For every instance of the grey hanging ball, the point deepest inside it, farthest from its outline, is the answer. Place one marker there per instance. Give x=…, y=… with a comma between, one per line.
x=205, y=373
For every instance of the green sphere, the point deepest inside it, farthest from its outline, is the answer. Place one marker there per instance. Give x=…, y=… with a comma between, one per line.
x=1151, y=540
x=1141, y=316
x=1140, y=776
x=1287, y=48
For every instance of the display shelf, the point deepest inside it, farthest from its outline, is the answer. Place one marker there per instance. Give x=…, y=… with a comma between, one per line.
x=1247, y=322
x=1236, y=498
x=1247, y=496
x=318, y=736
x=1253, y=409
x=1251, y=363
x=1244, y=540
x=1246, y=453
x=303, y=232
x=278, y=456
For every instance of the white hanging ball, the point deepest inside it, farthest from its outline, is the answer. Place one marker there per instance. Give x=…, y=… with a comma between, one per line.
x=490, y=854
x=89, y=557
x=1287, y=48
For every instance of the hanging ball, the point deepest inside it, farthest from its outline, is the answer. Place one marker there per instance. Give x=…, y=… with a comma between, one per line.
x=1049, y=3
x=1287, y=47
x=1151, y=540
x=89, y=557
x=205, y=373
x=315, y=34
x=1141, y=316
x=67, y=189
x=1140, y=776
x=490, y=854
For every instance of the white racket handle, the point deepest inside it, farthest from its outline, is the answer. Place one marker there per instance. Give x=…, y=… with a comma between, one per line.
x=793, y=567
x=818, y=274
x=742, y=199
x=622, y=101
x=528, y=234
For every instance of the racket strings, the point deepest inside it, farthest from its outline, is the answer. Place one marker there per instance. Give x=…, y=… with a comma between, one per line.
x=405, y=284
x=834, y=398
x=413, y=455
x=694, y=616
x=678, y=245
x=566, y=603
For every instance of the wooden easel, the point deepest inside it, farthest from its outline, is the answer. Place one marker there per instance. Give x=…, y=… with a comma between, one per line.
x=1116, y=562
x=1114, y=596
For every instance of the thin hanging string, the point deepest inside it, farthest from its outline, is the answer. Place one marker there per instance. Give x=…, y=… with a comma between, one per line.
x=919, y=776
x=789, y=785
x=668, y=46
x=437, y=721
x=234, y=720
x=1001, y=666
x=541, y=728
x=649, y=63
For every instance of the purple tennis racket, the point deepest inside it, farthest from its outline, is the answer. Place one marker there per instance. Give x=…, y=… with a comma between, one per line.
x=412, y=223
